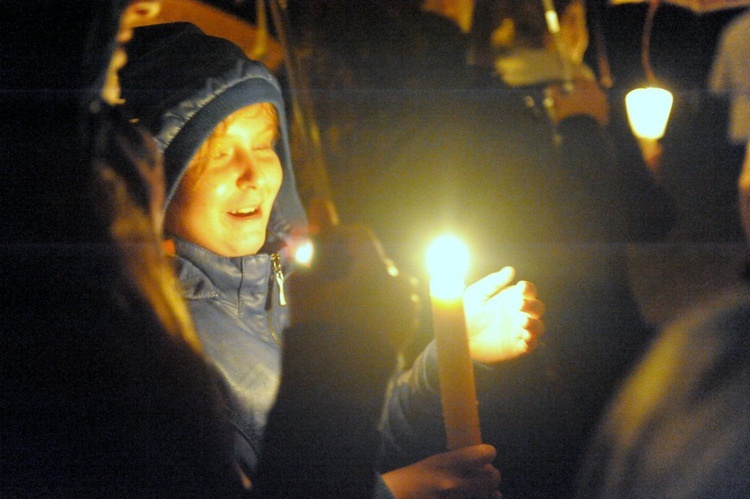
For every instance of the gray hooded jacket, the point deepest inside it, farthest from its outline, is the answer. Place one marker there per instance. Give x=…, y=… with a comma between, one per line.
x=180, y=84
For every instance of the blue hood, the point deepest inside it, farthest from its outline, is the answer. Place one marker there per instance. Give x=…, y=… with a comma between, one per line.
x=180, y=83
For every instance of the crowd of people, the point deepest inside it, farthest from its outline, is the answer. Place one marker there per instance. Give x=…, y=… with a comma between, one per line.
x=161, y=340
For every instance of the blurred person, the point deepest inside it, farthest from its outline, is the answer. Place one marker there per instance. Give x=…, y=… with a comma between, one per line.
x=232, y=210
x=103, y=389
x=516, y=41
x=678, y=424
x=728, y=108
x=728, y=77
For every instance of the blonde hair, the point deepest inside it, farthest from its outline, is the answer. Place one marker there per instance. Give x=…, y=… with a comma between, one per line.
x=122, y=172
x=209, y=146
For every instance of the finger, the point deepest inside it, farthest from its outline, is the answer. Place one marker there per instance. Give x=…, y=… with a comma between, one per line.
x=527, y=289
x=534, y=327
x=485, y=479
x=529, y=344
x=474, y=456
x=321, y=215
x=490, y=285
x=534, y=308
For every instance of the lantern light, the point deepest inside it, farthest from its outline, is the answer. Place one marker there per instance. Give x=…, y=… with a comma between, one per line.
x=648, y=111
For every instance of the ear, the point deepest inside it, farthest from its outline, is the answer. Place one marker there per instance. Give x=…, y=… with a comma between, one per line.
x=574, y=34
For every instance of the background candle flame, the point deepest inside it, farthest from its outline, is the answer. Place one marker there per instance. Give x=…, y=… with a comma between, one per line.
x=648, y=111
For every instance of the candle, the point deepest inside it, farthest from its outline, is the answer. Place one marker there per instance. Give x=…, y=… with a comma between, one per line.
x=648, y=111
x=448, y=262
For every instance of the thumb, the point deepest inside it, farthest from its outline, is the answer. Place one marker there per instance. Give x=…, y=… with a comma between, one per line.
x=476, y=455
x=321, y=215
x=489, y=286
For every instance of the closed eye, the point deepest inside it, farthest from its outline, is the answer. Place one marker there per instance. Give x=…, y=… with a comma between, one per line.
x=222, y=153
x=264, y=146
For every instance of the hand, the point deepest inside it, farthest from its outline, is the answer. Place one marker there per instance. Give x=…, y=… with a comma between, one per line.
x=585, y=98
x=352, y=285
x=503, y=321
x=465, y=472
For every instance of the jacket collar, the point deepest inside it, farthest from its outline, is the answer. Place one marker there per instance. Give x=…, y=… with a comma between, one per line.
x=206, y=275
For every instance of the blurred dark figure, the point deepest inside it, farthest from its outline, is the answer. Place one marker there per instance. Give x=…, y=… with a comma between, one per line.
x=703, y=146
x=729, y=84
x=103, y=390
x=728, y=77
x=530, y=177
x=680, y=424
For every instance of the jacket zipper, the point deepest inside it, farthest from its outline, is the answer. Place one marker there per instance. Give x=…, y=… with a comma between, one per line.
x=279, y=276
x=276, y=275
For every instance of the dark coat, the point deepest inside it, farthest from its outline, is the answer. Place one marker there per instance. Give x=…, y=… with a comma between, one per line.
x=484, y=163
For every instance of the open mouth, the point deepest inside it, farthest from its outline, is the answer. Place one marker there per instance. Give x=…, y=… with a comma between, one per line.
x=246, y=212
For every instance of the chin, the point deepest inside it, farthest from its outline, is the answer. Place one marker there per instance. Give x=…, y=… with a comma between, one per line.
x=250, y=249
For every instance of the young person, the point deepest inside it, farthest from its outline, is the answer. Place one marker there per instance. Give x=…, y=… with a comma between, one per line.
x=232, y=208
x=104, y=390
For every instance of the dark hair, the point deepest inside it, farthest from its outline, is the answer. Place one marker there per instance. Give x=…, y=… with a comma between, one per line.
x=100, y=395
x=128, y=170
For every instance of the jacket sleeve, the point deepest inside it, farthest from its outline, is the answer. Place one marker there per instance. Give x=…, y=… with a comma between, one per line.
x=322, y=436
x=412, y=425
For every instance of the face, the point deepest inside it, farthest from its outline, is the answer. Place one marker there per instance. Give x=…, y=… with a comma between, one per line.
x=224, y=200
x=136, y=13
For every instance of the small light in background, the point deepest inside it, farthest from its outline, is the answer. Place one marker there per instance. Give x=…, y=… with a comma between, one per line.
x=303, y=254
x=648, y=111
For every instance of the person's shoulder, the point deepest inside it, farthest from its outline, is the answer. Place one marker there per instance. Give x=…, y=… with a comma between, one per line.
x=716, y=323
x=737, y=30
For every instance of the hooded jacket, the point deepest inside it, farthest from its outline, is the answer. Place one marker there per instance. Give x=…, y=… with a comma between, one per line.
x=180, y=83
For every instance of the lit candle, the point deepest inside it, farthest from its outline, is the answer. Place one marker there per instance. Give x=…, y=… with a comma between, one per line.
x=648, y=111
x=448, y=262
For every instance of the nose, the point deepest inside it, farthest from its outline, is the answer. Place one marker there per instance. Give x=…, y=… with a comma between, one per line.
x=250, y=175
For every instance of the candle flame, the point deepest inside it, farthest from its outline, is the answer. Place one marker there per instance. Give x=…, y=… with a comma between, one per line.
x=648, y=111
x=448, y=264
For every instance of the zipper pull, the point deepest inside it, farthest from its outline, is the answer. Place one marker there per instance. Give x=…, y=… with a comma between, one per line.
x=279, y=276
